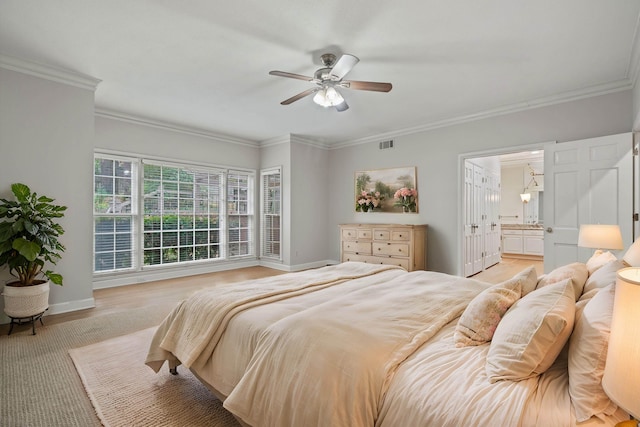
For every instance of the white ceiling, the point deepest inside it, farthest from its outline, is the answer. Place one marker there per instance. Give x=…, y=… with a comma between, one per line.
x=204, y=64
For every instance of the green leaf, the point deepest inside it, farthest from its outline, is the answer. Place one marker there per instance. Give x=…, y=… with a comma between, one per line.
x=6, y=231
x=27, y=249
x=21, y=191
x=54, y=277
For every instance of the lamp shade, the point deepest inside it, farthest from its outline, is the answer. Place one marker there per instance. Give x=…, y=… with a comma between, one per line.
x=525, y=197
x=621, y=380
x=600, y=236
x=632, y=257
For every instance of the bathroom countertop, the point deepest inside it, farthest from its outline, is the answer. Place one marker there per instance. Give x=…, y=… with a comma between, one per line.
x=522, y=226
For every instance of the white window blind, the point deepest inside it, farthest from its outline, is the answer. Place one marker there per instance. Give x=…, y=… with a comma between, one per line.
x=181, y=214
x=271, y=205
x=240, y=213
x=114, y=213
x=162, y=213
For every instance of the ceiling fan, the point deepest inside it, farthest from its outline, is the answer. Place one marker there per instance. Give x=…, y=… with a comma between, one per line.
x=328, y=79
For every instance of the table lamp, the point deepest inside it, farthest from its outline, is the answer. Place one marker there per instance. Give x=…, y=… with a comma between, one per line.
x=600, y=236
x=632, y=257
x=621, y=380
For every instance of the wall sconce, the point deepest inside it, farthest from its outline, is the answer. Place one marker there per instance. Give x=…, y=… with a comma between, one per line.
x=525, y=196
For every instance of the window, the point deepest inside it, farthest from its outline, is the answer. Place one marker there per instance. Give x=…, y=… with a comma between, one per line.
x=183, y=217
x=271, y=203
x=114, y=190
x=240, y=213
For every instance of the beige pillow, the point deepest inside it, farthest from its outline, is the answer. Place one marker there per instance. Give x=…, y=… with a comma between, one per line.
x=598, y=259
x=481, y=317
x=576, y=271
x=529, y=279
x=587, y=356
x=604, y=276
x=532, y=333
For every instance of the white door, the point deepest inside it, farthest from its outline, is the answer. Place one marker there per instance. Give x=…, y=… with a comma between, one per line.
x=585, y=182
x=473, y=206
x=492, y=220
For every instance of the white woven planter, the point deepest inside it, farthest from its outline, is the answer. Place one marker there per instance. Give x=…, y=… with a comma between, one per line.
x=26, y=301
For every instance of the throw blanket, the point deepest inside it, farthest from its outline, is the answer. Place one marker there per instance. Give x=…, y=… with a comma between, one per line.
x=192, y=330
x=332, y=364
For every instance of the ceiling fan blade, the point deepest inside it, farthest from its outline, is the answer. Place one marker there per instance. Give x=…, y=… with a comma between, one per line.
x=291, y=75
x=343, y=66
x=300, y=96
x=343, y=106
x=374, y=86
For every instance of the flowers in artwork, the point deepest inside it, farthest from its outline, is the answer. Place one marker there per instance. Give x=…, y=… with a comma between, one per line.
x=407, y=198
x=368, y=200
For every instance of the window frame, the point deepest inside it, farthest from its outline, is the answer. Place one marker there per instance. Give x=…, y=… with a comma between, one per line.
x=266, y=217
x=138, y=206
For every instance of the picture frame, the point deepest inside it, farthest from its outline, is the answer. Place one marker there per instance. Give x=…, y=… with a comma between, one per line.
x=392, y=190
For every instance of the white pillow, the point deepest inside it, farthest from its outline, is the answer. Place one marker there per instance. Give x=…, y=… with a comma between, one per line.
x=598, y=259
x=587, y=356
x=604, y=276
x=532, y=333
x=481, y=317
x=576, y=271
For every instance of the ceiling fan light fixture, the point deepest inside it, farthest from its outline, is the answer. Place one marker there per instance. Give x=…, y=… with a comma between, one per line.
x=328, y=97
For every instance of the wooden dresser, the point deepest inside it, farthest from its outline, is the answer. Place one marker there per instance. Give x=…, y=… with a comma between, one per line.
x=396, y=244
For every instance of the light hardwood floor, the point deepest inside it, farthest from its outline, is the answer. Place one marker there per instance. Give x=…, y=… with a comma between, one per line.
x=165, y=294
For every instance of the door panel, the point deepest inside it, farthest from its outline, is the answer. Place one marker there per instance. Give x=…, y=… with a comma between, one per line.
x=478, y=209
x=586, y=182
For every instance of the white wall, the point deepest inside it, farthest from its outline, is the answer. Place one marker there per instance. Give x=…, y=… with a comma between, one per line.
x=305, y=228
x=310, y=205
x=46, y=142
x=436, y=155
x=121, y=135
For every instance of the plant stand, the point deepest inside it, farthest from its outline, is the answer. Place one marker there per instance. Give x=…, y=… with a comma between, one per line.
x=27, y=320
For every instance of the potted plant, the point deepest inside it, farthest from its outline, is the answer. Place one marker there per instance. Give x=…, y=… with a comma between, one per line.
x=29, y=239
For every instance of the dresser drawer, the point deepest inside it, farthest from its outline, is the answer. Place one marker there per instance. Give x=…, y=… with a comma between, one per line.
x=381, y=235
x=400, y=262
x=391, y=249
x=349, y=234
x=364, y=234
x=363, y=248
x=400, y=235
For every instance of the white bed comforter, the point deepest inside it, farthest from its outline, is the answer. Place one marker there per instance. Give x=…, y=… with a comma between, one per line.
x=331, y=365
x=191, y=332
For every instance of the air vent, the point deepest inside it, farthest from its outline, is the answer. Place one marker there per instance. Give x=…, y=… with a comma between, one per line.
x=386, y=144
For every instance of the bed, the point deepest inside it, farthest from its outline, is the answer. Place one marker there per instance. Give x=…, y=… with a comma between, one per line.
x=358, y=344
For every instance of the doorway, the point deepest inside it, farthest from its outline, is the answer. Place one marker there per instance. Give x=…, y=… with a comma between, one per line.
x=502, y=208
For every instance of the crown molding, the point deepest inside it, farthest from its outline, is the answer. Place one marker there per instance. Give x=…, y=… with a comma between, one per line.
x=282, y=139
x=173, y=127
x=298, y=139
x=49, y=72
x=633, y=69
x=310, y=142
x=588, y=92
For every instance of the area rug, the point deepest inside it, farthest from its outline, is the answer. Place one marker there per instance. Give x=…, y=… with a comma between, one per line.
x=126, y=392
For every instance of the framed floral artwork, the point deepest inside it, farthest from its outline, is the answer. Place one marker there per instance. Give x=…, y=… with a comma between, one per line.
x=387, y=190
